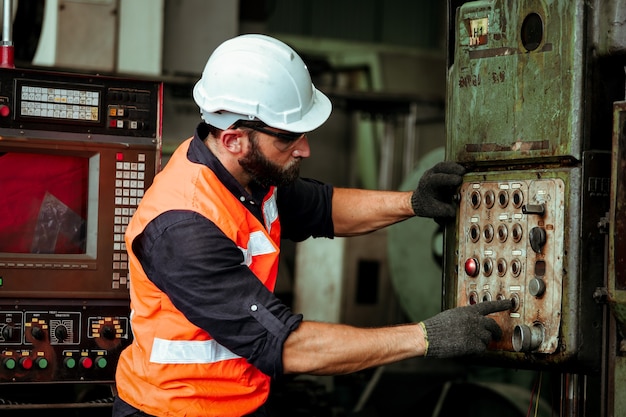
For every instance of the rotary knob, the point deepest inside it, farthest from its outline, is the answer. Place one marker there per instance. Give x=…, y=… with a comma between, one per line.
x=8, y=333
x=537, y=237
x=38, y=333
x=536, y=287
x=61, y=333
x=108, y=332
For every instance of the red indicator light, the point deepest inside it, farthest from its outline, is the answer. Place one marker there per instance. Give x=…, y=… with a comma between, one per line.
x=472, y=267
x=119, y=156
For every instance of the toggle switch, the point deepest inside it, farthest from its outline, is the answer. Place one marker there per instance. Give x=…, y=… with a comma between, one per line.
x=538, y=209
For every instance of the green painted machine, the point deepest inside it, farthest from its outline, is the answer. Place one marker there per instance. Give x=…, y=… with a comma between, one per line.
x=535, y=111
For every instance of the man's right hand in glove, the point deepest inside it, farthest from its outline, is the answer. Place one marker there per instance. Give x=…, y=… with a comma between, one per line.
x=332, y=349
x=463, y=330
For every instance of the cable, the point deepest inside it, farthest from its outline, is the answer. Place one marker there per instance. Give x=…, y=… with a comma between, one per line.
x=532, y=393
x=538, y=394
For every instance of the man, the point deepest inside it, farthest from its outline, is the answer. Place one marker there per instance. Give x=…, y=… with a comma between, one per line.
x=204, y=246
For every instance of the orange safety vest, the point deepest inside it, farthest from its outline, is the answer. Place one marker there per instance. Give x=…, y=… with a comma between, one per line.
x=174, y=368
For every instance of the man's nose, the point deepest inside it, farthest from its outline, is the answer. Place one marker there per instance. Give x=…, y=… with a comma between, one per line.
x=302, y=148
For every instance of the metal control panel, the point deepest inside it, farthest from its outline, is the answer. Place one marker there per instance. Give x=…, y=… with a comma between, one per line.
x=520, y=235
x=77, y=153
x=525, y=114
x=511, y=246
x=75, y=106
x=70, y=342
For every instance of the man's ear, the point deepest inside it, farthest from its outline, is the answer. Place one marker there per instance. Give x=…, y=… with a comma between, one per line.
x=232, y=140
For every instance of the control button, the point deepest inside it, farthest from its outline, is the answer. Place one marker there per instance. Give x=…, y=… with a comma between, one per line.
x=26, y=363
x=536, y=287
x=70, y=363
x=472, y=267
x=42, y=363
x=86, y=362
x=487, y=267
x=537, y=237
x=5, y=110
x=101, y=362
x=517, y=232
x=490, y=199
x=9, y=363
x=475, y=199
x=473, y=298
x=515, y=302
x=474, y=232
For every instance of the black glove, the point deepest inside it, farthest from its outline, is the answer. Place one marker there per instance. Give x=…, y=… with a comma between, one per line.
x=463, y=330
x=435, y=191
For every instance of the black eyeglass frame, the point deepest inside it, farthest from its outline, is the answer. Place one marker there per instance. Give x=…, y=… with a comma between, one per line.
x=284, y=136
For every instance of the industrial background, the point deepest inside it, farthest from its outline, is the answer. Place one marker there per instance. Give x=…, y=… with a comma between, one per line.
x=528, y=94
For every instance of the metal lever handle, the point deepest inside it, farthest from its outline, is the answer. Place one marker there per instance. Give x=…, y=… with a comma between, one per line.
x=538, y=209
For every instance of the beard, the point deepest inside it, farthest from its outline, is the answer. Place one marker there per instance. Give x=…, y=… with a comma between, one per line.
x=264, y=171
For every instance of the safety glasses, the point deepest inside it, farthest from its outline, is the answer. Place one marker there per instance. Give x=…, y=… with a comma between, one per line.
x=285, y=137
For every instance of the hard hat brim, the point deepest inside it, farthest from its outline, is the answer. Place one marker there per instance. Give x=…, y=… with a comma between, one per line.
x=316, y=116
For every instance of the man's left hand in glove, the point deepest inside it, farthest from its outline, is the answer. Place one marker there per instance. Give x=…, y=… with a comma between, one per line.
x=434, y=194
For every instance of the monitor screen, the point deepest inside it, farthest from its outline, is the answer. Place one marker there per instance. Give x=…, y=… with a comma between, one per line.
x=43, y=203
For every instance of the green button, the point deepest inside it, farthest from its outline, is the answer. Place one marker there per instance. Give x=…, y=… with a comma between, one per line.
x=10, y=363
x=101, y=363
x=42, y=363
x=70, y=363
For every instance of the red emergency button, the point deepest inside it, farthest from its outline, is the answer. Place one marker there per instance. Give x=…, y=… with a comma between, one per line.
x=86, y=362
x=4, y=110
x=26, y=362
x=472, y=267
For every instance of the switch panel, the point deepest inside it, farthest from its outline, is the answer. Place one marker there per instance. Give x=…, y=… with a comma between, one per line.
x=511, y=246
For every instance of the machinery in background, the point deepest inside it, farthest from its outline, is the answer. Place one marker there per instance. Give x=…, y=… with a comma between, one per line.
x=531, y=90
x=77, y=153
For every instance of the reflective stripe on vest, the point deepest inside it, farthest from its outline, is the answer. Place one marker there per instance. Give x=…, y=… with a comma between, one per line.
x=185, y=351
x=258, y=244
x=270, y=211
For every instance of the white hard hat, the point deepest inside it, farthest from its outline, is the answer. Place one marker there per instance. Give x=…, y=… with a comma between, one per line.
x=257, y=77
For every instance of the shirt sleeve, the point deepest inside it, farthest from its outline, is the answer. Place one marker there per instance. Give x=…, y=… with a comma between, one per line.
x=200, y=269
x=305, y=210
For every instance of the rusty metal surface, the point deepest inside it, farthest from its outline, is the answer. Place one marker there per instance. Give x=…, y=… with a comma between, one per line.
x=496, y=234
x=617, y=218
x=512, y=95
